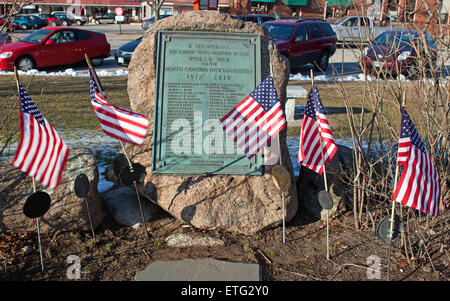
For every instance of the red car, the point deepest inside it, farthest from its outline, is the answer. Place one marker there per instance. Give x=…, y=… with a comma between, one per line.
x=51, y=19
x=54, y=46
x=303, y=41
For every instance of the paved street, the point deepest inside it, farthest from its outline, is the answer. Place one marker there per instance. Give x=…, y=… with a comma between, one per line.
x=344, y=61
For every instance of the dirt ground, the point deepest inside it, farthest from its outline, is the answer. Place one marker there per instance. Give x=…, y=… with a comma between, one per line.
x=120, y=253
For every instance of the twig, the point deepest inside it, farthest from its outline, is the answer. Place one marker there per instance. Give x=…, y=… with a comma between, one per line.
x=264, y=256
x=298, y=274
x=148, y=257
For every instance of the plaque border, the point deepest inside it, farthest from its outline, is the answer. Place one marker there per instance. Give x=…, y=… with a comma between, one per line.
x=256, y=161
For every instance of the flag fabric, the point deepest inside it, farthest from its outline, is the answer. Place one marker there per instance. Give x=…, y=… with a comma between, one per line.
x=419, y=184
x=315, y=130
x=256, y=119
x=41, y=153
x=117, y=122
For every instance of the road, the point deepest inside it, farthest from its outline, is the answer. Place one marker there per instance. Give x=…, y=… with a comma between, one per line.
x=344, y=61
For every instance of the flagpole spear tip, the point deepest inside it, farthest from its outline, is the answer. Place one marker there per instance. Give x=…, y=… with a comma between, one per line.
x=312, y=76
x=404, y=99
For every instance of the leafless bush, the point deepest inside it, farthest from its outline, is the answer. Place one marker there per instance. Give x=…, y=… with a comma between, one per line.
x=375, y=132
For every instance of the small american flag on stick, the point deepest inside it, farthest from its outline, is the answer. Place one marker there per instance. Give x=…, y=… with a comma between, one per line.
x=419, y=184
x=255, y=119
x=316, y=137
x=119, y=123
x=42, y=153
x=315, y=131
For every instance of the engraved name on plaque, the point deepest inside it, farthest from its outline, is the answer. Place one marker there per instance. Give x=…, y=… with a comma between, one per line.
x=201, y=76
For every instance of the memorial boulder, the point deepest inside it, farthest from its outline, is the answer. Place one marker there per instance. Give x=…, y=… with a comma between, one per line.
x=189, y=71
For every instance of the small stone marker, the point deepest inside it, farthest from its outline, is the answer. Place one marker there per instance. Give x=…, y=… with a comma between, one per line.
x=200, y=270
x=293, y=92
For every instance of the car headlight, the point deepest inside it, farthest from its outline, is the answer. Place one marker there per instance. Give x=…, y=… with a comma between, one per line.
x=404, y=55
x=366, y=50
x=5, y=55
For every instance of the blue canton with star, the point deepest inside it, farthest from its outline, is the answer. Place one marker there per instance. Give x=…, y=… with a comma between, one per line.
x=93, y=87
x=265, y=94
x=409, y=130
x=28, y=106
x=317, y=100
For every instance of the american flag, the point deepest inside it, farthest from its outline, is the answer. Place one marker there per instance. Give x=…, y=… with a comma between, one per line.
x=315, y=128
x=419, y=184
x=255, y=119
x=42, y=153
x=117, y=122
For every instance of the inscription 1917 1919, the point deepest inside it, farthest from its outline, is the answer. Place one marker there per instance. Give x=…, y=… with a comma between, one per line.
x=201, y=76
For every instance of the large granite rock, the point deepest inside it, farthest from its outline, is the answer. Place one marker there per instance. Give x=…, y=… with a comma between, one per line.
x=67, y=212
x=245, y=204
x=309, y=183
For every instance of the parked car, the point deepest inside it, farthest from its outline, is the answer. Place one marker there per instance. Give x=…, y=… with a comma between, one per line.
x=52, y=20
x=146, y=23
x=124, y=53
x=78, y=20
x=356, y=29
x=260, y=19
x=11, y=25
x=303, y=41
x=54, y=46
x=64, y=17
x=4, y=39
x=108, y=18
x=399, y=51
x=30, y=21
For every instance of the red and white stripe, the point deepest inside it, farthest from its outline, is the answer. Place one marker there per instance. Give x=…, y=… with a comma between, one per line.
x=250, y=127
x=42, y=153
x=120, y=123
x=419, y=184
x=310, y=154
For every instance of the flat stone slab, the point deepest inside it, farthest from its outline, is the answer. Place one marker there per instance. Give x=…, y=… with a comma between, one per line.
x=296, y=92
x=200, y=270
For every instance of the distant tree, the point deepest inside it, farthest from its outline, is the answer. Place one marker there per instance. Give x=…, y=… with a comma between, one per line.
x=156, y=6
x=12, y=8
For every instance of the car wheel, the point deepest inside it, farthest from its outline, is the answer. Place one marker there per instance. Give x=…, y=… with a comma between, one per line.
x=97, y=22
x=97, y=61
x=25, y=63
x=78, y=22
x=322, y=63
x=65, y=23
x=52, y=23
x=24, y=26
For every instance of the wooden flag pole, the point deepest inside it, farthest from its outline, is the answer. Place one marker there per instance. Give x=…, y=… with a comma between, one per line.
x=16, y=77
x=124, y=151
x=324, y=176
x=391, y=230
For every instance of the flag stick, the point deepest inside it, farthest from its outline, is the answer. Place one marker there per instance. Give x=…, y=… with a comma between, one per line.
x=324, y=176
x=391, y=230
x=123, y=148
x=90, y=219
x=282, y=191
x=16, y=77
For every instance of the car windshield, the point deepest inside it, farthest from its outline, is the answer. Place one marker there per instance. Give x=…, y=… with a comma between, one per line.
x=279, y=31
x=396, y=38
x=36, y=37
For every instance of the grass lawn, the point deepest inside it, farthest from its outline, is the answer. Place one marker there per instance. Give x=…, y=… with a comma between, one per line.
x=65, y=101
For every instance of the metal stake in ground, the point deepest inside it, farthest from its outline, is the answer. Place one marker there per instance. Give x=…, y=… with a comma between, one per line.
x=81, y=188
x=393, y=205
x=36, y=205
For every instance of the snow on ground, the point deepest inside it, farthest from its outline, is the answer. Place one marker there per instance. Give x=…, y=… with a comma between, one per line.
x=358, y=77
x=69, y=72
